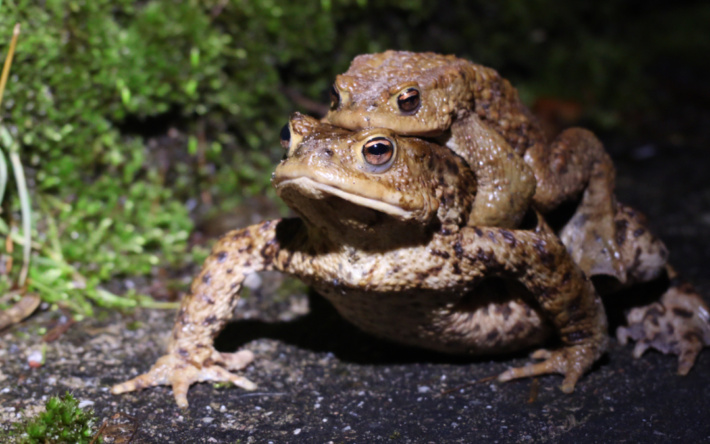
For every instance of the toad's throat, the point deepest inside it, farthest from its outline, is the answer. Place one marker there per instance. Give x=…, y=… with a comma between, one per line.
x=317, y=190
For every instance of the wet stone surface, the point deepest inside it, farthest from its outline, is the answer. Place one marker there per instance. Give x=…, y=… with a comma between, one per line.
x=322, y=380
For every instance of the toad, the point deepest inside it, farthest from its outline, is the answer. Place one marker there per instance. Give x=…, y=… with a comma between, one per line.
x=383, y=234
x=478, y=114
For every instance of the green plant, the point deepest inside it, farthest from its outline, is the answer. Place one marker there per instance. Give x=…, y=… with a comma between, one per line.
x=63, y=421
x=90, y=229
x=91, y=74
x=7, y=142
x=24, y=304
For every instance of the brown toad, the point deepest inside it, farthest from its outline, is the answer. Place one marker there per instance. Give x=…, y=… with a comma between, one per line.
x=478, y=114
x=383, y=235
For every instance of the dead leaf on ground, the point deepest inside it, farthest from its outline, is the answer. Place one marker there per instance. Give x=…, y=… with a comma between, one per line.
x=19, y=311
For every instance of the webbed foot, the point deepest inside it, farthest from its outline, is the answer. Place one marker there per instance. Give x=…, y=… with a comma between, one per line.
x=181, y=371
x=571, y=362
x=590, y=239
x=678, y=324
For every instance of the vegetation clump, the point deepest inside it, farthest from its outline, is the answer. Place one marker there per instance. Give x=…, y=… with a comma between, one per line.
x=63, y=421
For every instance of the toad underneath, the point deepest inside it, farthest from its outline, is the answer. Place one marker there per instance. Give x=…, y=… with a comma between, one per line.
x=383, y=235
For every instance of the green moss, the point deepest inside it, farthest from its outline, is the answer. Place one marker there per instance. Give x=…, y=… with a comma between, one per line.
x=133, y=326
x=61, y=422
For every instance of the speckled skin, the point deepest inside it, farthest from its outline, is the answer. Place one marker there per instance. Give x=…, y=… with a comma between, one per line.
x=478, y=114
x=679, y=323
x=391, y=249
x=395, y=256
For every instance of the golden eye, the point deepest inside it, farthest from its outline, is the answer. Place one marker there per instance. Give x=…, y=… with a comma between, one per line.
x=334, y=97
x=378, y=151
x=409, y=100
x=285, y=137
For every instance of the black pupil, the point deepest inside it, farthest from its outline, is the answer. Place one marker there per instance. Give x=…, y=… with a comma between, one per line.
x=378, y=151
x=409, y=100
x=285, y=136
x=378, y=148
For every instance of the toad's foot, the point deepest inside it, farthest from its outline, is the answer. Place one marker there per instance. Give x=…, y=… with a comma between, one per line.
x=572, y=362
x=590, y=239
x=181, y=372
x=678, y=324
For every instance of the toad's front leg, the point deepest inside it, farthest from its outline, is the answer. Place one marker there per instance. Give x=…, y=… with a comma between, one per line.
x=564, y=294
x=191, y=356
x=505, y=183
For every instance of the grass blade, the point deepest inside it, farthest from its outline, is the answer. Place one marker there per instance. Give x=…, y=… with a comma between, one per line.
x=8, y=60
x=26, y=211
x=3, y=173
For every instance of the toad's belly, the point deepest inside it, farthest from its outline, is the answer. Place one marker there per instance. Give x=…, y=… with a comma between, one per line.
x=494, y=318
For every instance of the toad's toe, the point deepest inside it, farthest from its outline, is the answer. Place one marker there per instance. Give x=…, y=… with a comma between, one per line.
x=679, y=324
x=572, y=362
x=235, y=361
x=180, y=373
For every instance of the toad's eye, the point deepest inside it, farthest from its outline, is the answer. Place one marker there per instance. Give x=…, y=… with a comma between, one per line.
x=334, y=97
x=409, y=100
x=285, y=137
x=378, y=151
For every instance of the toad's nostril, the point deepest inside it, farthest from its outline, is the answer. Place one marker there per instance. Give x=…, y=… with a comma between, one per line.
x=285, y=136
x=334, y=97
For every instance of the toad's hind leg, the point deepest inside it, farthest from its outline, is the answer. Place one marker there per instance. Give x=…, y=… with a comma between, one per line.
x=576, y=162
x=642, y=254
x=677, y=324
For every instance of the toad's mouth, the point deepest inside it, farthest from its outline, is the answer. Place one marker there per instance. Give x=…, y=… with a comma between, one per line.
x=313, y=189
x=356, y=120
